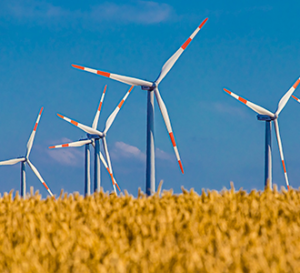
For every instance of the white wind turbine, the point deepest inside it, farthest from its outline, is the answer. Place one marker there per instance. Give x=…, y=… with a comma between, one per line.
x=267, y=116
x=25, y=160
x=93, y=137
x=97, y=155
x=152, y=88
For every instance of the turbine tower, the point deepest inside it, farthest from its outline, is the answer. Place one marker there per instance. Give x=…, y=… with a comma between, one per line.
x=25, y=160
x=94, y=136
x=94, y=140
x=152, y=88
x=267, y=116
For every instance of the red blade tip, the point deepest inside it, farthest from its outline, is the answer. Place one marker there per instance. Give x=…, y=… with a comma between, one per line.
x=203, y=23
x=60, y=116
x=227, y=91
x=130, y=89
x=181, y=166
x=296, y=83
x=78, y=66
x=104, y=89
x=295, y=97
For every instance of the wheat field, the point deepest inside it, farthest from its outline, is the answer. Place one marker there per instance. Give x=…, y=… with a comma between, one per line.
x=227, y=231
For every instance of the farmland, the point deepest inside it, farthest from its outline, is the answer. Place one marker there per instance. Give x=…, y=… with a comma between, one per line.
x=227, y=231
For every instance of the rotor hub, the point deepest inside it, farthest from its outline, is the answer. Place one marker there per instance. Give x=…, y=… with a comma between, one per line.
x=265, y=118
x=149, y=88
x=92, y=136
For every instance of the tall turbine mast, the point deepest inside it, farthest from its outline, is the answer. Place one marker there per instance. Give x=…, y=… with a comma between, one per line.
x=24, y=160
x=152, y=88
x=268, y=117
x=93, y=137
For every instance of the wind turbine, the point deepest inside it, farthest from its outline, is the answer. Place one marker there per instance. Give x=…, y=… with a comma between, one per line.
x=97, y=155
x=267, y=116
x=93, y=137
x=25, y=160
x=152, y=88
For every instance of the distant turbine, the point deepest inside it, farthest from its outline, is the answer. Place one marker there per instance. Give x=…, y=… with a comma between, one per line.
x=93, y=136
x=26, y=160
x=152, y=87
x=267, y=116
x=97, y=156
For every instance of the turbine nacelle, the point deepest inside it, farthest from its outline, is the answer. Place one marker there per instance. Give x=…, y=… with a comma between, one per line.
x=265, y=117
x=149, y=88
x=93, y=136
x=25, y=159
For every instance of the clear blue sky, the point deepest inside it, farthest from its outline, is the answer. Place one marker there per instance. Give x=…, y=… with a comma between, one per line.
x=251, y=48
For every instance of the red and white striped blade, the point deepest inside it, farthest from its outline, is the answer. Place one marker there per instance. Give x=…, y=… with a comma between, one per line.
x=286, y=97
x=34, y=169
x=281, y=152
x=120, y=78
x=109, y=164
x=294, y=97
x=106, y=167
x=104, y=162
x=31, y=138
x=113, y=115
x=85, y=128
x=95, y=122
x=12, y=161
x=72, y=144
x=169, y=64
x=166, y=118
x=258, y=109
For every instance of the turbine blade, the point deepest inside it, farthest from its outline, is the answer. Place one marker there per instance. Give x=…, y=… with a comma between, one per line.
x=166, y=118
x=106, y=167
x=12, y=161
x=294, y=97
x=95, y=122
x=169, y=64
x=120, y=78
x=109, y=164
x=258, y=109
x=113, y=115
x=286, y=97
x=85, y=128
x=31, y=138
x=281, y=152
x=34, y=169
x=72, y=144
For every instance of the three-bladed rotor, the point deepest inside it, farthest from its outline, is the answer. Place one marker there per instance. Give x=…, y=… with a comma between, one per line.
x=93, y=133
x=153, y=86
x=26, y=158
x=266, y=115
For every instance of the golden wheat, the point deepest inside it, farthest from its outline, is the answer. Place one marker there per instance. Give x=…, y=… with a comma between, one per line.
x=230, y=231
